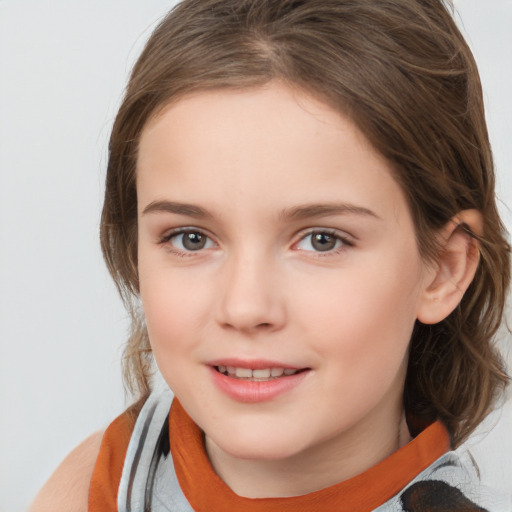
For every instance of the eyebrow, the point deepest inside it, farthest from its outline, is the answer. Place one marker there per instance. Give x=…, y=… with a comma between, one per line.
x=300, y=212
x=325, y=209
x=190, y=210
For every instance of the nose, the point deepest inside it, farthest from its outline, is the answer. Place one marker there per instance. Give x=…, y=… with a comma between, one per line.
x=251, y=296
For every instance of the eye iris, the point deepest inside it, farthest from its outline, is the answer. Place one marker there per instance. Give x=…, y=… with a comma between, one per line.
x=323, y=241
x=193, y=241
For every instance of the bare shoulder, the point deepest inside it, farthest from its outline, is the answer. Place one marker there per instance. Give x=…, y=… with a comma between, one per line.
x=68, y=487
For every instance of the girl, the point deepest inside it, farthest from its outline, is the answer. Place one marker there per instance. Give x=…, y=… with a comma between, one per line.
x=300, y=217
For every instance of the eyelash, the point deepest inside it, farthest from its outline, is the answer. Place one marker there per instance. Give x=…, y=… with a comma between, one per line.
x=346, y=242
x=166, y=239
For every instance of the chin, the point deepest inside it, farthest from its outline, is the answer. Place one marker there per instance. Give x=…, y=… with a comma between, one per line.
x=259, y=446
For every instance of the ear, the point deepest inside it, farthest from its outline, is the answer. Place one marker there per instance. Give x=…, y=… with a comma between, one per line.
x=454, y=269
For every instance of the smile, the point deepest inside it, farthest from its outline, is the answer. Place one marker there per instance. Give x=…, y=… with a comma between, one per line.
x=263, y=382
x=260, y=375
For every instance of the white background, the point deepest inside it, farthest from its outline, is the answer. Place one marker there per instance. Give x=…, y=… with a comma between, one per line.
x=63, y=66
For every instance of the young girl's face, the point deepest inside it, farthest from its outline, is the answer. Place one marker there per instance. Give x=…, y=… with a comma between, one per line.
x=273, y=240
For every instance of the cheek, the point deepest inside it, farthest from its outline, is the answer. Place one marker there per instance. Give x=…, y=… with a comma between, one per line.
x=174, y=317
x=172, y=308
x=364, y=318
x=363, y=341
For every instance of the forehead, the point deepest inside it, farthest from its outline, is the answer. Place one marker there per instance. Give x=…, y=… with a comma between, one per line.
x=268, y=145
x=249, y=117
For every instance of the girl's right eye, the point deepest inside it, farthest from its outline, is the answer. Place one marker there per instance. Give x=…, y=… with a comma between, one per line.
x=188, y=241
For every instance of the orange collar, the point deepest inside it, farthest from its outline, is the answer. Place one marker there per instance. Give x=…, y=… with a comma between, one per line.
x=364, y=492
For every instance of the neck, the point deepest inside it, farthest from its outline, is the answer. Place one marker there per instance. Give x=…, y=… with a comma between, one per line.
x=333, y=461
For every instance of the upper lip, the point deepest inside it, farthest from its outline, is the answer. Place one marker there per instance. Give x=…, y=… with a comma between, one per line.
x=253, y=364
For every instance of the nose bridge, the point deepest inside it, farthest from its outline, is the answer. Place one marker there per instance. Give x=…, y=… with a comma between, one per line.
x=251, y=298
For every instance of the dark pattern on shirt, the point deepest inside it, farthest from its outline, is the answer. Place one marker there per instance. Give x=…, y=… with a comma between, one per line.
x=436, y=496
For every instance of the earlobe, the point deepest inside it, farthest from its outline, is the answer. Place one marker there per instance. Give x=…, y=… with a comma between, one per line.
x=454, y=269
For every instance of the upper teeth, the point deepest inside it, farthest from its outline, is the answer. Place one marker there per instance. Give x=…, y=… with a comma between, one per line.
x=247, y=373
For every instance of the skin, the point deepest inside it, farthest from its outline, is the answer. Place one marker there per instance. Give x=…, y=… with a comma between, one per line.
x=68, y=487
x=259, y=289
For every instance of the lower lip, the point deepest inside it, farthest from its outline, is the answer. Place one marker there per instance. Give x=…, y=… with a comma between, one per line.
x=252, y=392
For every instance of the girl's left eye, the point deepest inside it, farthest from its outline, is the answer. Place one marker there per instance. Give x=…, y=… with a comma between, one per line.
x=322, y=241
x=189, y=241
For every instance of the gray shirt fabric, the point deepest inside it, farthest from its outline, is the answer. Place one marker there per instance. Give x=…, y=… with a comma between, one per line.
x=149, y=481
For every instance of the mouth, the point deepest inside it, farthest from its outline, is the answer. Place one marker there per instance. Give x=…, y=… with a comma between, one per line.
x=256, y=380
x=257, y=375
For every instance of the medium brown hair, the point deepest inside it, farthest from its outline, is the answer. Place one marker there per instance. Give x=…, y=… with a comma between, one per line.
x=401, y=70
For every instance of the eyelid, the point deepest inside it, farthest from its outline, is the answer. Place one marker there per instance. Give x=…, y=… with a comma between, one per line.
x=170, y=234
x=346, y=239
